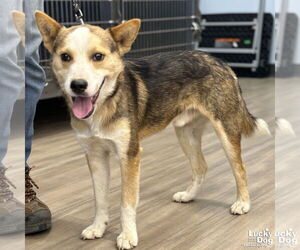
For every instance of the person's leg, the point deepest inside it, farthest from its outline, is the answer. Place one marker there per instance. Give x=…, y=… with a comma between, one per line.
x=34, y=73
x=11, y=75
x=37, y=214
x=11, y=84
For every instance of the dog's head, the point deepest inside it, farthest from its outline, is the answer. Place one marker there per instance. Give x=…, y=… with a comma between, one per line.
x=86, y=59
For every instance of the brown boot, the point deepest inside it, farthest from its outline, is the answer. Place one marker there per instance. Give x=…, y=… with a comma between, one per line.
x=37, y=214
x=11, y=210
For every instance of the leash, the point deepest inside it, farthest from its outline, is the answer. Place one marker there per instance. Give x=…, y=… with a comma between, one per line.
x=77, y=11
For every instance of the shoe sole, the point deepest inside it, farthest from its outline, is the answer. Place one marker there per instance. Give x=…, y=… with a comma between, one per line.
x=36, y=228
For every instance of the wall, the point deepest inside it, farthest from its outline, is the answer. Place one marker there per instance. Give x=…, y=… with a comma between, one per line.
x=233, y=6
x=294, y=7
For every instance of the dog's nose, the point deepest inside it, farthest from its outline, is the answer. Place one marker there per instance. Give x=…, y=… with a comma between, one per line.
x=79, y=86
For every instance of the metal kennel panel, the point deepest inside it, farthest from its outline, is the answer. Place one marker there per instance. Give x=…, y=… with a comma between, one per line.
x=103, y=13
x=167, y=25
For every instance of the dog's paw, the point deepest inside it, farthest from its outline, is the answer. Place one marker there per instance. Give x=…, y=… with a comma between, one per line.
x=240, y=207
x=93, y=232
x=127, y=240
x=182, y=197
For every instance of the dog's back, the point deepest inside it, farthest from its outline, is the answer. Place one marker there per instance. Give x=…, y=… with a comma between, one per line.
x=179, y=81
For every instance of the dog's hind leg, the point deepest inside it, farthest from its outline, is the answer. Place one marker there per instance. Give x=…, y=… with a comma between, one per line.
x=189, y=136
x=99, y=168
x=232, y=146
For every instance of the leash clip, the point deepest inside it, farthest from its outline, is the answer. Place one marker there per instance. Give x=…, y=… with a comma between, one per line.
x=78, y=12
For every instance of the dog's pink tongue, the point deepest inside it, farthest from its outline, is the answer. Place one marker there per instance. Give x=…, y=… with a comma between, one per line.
x=82, y=106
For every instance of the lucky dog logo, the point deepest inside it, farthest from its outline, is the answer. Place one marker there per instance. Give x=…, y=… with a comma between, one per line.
x=286, y=238
x=266, y=238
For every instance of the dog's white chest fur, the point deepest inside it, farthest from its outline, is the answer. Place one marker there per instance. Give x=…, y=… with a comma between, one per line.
x=96, y=137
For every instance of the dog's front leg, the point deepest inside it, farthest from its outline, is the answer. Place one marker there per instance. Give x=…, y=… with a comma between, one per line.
x=130, y=170
x=99, y=168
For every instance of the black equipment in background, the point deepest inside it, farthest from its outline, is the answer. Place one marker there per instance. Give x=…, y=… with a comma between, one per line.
x=235, y=39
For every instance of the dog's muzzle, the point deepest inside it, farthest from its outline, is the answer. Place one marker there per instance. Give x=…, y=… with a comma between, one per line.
x=83, y=106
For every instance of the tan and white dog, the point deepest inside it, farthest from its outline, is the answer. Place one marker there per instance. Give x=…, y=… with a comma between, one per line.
x=114, y=103
x=19, y=21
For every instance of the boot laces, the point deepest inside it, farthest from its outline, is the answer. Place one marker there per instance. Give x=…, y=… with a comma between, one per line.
x=30, y=194
x=5, y=193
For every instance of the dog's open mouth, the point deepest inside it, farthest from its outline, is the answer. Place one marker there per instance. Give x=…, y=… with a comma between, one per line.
x=83, y=107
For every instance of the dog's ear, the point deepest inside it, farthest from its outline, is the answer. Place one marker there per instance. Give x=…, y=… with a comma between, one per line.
x=125, y=34
x=19, y=21
x=49, y=29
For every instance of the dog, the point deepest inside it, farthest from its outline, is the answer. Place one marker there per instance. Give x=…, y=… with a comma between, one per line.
x=115, y=103
x=19, y=22
x=284, y=127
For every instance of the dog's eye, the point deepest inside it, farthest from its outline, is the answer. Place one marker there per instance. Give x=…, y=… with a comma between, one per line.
x=98, y=57
x=65, y=57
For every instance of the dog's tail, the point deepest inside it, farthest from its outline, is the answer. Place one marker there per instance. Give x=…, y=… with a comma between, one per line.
x=255, y=126
x=252, y=125
x=284, y=127
x=261, y=127
x=249, y=124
